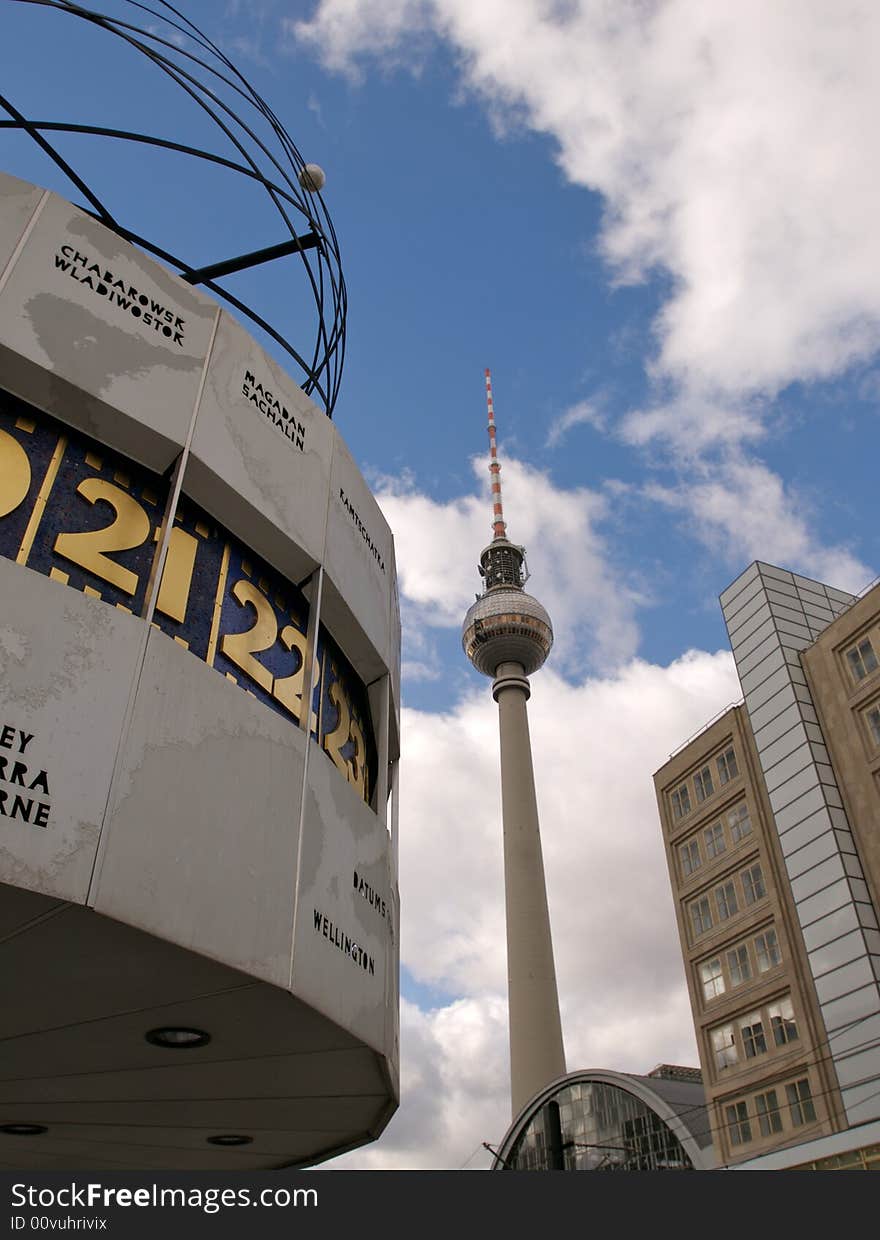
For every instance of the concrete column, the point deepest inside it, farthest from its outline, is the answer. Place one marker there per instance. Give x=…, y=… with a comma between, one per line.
x=536, y=1051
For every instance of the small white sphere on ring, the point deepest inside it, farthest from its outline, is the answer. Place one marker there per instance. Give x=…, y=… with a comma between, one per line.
x=312, y=178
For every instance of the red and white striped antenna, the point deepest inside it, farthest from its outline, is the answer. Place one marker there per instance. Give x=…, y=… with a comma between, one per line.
x=499, y=525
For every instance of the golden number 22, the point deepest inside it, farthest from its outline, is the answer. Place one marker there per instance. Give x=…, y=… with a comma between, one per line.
x=262, y=635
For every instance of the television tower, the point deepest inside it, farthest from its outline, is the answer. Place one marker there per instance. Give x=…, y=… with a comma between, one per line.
x=507, y=635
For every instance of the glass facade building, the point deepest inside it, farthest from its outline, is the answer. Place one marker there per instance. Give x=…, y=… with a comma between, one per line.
x=612, y=1121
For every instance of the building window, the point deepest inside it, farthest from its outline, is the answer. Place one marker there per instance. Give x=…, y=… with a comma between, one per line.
x=873, y=717
x=738, y=965
x=739, y=822
x=724, y=1047
x=701, y=916
x=727, y=768
x=703, y=784
x=714, y=837
x=861, y=659
x=767, y=950
x=689, y=854
x=681, y=802
x=782, y=1022
x=751, y=1030
x=800, y=1102
x=738, y=1123
x=753, y=884
x=712, y=979
x=767, y=1110
x=725, y=898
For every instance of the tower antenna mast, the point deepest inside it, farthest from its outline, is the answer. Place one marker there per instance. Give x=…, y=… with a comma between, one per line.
x=499, y=525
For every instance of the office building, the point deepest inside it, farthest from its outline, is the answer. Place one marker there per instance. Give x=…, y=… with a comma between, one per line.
x=771, y=823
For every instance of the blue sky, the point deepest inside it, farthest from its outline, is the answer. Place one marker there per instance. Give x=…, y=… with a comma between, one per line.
x=656, y=224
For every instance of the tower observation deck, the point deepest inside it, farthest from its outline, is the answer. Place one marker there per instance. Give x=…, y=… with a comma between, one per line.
x=507, y=635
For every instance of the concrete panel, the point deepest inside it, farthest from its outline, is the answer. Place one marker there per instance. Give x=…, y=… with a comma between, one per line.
x=772, y=572
x=778, y=726
x=67, y=663
x=795, y=636
x=818, y=878
x=737, y=605
x=844, y=841
x=796, y=775
x=862, y=1102
x=260, y=455
x=227, y=839
x=852, y=1007
x=749, y=644
x=344, y=944
x=865, y=1033
x=818, y=615
x=824, y=902
x=774, y=660
x=752, y=616
x=769, y=687
x=748, y=662
x=851, y=864
x=805, y=858
x=780, y=777
x=359, y=569
x=394, y=734
x=105, y=338
x=840, y=597
x=788, y=742
x=801, y=809
x=18, y=202
x=864, y=1066
x=760, y=716
x=817, y=825
x=736, y=587
x=780, y=590
x=830, y=928
x=841, y=951
x=843, y=981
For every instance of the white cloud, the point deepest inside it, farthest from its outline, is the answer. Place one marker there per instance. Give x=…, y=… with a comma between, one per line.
x=743, y=510
x=438, y=546
x=616, y=945
x=584, y=413
x=734, y=146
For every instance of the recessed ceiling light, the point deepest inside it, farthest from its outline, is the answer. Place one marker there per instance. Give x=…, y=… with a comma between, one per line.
x=23, y=1130
x=178, y=1039
x=230, y=1138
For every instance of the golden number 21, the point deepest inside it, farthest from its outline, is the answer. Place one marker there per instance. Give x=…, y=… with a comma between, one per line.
x=129, y=528
x=90, y=549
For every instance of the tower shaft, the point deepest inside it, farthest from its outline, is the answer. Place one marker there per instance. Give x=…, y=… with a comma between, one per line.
x=536, y=1050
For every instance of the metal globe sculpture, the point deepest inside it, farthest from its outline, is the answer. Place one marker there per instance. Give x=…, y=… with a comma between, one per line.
x=269, y=186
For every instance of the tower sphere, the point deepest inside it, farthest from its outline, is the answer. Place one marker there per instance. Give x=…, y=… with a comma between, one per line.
x=506, y=625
